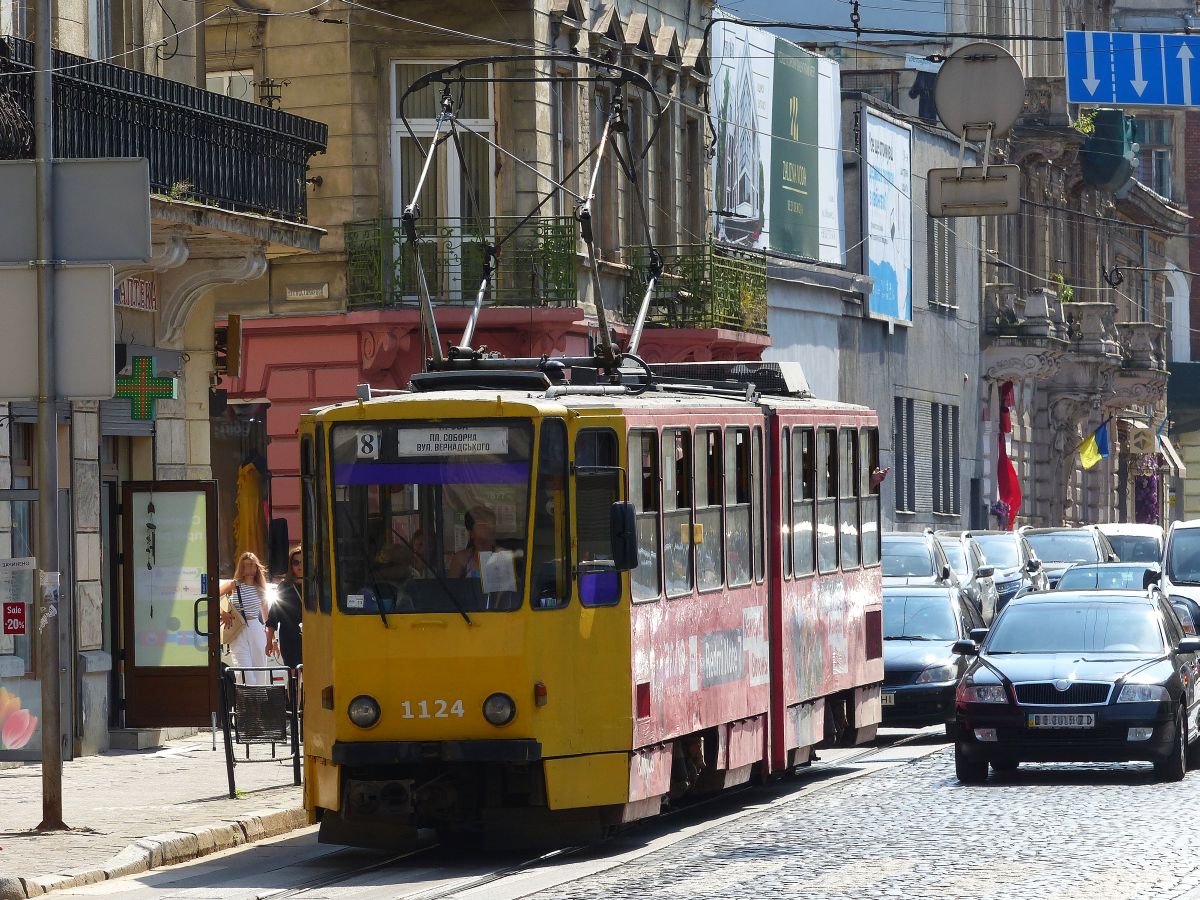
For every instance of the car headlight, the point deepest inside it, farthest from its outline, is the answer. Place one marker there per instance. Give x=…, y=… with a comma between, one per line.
x=363, y=711
x=937, y=674
x=499, y=709
x=983, y=693
x=1142, y=693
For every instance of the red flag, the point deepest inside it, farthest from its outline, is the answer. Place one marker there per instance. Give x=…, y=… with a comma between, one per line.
x=1008, y=484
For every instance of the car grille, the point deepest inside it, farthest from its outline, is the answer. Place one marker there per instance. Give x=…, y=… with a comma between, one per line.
x=1080, y=693
x=896, y=679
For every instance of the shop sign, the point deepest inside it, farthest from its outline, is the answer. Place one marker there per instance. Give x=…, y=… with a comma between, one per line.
x=14, y=618
x=137, y=293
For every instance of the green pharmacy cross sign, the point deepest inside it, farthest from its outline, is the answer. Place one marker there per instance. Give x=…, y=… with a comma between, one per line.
x=143, y=387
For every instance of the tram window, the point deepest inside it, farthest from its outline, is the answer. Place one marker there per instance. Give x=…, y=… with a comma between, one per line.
x=827, y=511
x=848, y=496
x=708, y=532
x=737, y=505
x=550, y=571
x=785, y=484
x=321, y=486
x=756, y=505
x=869, y=494
x=308, y=522
x=803, y=504
x=677, y=510
x=643, y=489
x=595, y=493
x=434, y=519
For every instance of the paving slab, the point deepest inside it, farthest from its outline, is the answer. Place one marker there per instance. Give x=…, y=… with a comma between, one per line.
x=131, y=811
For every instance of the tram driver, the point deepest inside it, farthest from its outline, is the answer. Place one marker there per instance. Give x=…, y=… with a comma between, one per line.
x=480, y=523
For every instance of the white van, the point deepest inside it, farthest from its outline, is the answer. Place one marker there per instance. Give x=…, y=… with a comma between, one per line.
x=1181, y=560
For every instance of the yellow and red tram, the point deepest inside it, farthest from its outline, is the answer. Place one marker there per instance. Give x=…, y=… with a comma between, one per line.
x=534, y=608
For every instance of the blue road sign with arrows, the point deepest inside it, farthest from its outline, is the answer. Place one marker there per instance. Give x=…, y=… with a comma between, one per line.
x=1121, y=68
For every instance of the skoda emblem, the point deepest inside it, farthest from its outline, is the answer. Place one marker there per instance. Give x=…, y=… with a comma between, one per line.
x=1061, y=684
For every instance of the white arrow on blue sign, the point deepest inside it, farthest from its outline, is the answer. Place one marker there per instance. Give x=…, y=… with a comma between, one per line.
x=1132, y=69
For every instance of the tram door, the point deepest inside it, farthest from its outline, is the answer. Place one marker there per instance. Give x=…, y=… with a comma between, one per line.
x=171, y=622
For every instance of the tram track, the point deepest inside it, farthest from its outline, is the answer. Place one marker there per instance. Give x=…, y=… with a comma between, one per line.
x=464, y=883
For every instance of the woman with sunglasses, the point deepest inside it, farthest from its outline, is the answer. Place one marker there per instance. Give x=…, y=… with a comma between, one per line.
x=283, y=622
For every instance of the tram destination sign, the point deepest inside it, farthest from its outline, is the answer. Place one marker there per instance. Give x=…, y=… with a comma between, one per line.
x=456, y=441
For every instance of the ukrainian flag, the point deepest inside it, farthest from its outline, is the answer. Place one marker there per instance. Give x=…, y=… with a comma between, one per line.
x=1095, y=448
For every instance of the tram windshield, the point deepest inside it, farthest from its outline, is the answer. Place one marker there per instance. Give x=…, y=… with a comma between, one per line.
x=431, y=517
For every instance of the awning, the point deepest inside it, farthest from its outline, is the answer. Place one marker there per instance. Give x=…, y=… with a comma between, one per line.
x=1174, y=463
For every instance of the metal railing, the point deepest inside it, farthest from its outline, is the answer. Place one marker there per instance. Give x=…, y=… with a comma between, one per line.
x=702, y=286
x=536, y=266
x=201, y=146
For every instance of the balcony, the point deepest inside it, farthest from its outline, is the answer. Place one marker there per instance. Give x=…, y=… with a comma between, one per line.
x=535, y=266
x=202, y=146
x=703, y=286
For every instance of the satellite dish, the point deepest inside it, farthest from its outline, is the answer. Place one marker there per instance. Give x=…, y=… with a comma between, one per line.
x=979, y=85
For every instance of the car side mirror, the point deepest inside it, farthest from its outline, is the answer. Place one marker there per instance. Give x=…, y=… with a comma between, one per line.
x=623, y=526
x=1150, y=578
x=945, y=573
x=1112, y=557
x=978, y=634
x=1033, y=565
x=985, y=571
x=1188, y=645
x=965, y=648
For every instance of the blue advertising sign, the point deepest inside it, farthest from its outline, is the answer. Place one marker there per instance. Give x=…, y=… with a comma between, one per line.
x=1132, y=69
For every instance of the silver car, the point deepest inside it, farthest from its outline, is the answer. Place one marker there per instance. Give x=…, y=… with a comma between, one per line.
x=975, y=575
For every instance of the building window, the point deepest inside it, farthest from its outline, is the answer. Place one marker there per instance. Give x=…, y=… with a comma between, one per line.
x=564, y=108
x=637, y=196
x=1153, y=135
x=945, y=458
x=880, y=85
x=902, y=441
x=693, y=183
x=238, y=84
x=449, y=193
x=943, y=290
x=606, y=209
x=664, y=182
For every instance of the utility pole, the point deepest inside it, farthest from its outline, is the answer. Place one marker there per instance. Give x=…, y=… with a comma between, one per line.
x=47, y=618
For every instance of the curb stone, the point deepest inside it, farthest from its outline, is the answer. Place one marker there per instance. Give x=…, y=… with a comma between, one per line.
x=155, y=851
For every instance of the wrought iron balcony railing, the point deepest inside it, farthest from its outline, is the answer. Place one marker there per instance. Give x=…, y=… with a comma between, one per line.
x=703, y=286
x=201, y=146
x=535, y=266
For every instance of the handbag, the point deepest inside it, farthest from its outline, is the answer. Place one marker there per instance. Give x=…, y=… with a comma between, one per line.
x=237, y=622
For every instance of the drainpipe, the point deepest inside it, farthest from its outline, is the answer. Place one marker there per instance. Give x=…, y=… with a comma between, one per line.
x=1145, y=275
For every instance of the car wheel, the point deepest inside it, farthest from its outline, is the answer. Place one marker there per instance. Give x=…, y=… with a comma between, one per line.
x=1174, y=767
x=968, y=770
x=1005, y=765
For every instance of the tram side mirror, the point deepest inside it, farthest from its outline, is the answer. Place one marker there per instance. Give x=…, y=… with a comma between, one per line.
x=623, y=526
x=277, y=547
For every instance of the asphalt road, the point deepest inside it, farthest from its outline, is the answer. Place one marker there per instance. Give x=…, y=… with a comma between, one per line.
x=885, y=822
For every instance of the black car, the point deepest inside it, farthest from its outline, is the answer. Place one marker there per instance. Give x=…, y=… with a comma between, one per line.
x=1079, y=676
x=1061, y=548
x=1120, y=576
x=920, y=668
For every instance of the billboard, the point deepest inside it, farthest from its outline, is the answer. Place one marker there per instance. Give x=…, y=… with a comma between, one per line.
x=777, y=173
x=887, y=213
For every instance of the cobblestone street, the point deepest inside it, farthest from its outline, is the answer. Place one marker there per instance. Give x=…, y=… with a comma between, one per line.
x=1059, y=831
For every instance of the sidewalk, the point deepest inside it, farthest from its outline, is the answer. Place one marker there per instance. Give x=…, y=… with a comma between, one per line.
x=130, y=811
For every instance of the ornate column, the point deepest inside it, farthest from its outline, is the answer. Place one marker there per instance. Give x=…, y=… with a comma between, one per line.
x=1067, y=409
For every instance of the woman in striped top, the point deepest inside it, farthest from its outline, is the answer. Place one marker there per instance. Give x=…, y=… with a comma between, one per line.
x=248, y=596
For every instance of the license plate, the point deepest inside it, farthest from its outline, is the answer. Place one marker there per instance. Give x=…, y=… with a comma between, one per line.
x=888, y=699
x=1062, y=720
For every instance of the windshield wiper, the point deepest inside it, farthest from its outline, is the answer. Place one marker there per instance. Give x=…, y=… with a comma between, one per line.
x=437, y=575
x=907, y=637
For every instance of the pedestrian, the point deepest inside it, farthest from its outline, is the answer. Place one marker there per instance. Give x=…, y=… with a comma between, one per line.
x=247, y=595
x=284, y=618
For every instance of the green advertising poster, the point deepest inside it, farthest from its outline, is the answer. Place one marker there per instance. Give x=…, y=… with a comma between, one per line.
x=170, y=572
x=795, y=182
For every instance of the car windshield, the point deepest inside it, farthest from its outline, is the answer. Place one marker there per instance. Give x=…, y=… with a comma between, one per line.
x=919, y=617
x=1183, y=560
x=906, y=558
x=1000, y=550
x=1064, y=546
x=431, y=517
x=1081, y=627
x=1103, y=578
x=1136, y=547
x=958, y=558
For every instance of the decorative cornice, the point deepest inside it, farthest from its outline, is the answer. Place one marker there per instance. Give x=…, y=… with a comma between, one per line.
x=181, y=288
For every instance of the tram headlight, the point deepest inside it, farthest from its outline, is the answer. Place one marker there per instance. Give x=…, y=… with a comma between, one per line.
x=363, y=711
x=499, y=709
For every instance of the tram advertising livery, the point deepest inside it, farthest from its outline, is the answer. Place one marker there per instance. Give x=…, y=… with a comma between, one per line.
x=546, y=597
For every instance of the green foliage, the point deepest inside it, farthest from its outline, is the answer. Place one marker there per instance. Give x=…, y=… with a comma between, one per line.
x=1064, y=291
x=1085, y=122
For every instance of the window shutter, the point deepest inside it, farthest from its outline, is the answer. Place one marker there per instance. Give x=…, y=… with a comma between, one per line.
x=922, y=462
